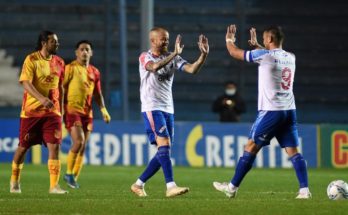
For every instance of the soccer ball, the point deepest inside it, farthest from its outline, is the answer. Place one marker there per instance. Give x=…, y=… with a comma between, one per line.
x=337, y=190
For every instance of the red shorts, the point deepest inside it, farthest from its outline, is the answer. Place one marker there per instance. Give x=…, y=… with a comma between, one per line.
x=40, y=130
x=71, y=120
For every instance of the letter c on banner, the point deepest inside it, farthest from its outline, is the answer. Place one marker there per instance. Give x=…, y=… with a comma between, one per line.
x=192, y=157
x=339, y=150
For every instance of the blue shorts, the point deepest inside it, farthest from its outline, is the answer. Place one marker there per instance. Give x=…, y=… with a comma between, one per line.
x=159, y=123
x=279, y=124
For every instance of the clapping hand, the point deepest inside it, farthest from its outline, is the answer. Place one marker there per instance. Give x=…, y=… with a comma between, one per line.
x=253, y=39
x=203, y=44
x=231, y=34
x=178, y=47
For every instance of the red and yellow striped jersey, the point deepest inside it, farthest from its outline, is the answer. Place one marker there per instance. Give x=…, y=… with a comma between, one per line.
x=80, y=83
x=46, y=75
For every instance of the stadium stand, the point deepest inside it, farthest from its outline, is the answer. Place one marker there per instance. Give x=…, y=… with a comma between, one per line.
x=313, y=31
x=10, y=91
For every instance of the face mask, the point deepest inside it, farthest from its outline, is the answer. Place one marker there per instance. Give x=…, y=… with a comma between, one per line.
x=230, y=92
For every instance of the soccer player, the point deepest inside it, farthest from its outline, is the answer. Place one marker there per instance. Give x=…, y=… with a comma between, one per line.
x=156, y=69
x=276, y=106
x=81, y=83
x=40, y=119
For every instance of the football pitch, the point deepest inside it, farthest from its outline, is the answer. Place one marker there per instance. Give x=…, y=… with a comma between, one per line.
x=106, y=190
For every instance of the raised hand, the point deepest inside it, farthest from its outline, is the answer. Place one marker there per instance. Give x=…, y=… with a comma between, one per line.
x=178, y=47
x=231, y=33
x=253, y=38
x=203, y=44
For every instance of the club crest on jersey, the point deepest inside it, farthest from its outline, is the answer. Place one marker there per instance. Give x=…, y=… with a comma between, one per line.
x=49, y=79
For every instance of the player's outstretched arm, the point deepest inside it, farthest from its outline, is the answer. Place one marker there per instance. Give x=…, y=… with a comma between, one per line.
x=30, y=88
x=203, y=46
x=154, y=66
x=253, y=40
x=234, y=51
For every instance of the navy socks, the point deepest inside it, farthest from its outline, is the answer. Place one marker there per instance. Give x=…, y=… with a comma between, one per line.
x=161, y=159
x=301, y=169
x=163, y=156
x=245, y=163
x=151, y=169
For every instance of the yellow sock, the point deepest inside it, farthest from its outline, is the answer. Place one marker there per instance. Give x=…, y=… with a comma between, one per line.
x=70, y=162
x=54, y=170
x=16, y=171
x=78, y=166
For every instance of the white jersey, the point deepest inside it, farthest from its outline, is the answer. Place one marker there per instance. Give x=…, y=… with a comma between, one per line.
x=276, y=78
x=156, y=87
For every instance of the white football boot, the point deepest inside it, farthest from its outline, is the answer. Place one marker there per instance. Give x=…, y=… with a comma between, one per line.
x=138, y=190
x=15, y=187
x=223, y=187
x=57, y=190
x=304, y=194
x=176, y=191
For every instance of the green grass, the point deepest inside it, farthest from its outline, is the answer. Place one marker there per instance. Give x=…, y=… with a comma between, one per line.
x=106, y=190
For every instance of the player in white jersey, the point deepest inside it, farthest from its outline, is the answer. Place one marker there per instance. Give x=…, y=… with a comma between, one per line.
x=276, y=106
x=156, y=69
